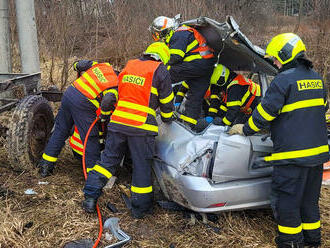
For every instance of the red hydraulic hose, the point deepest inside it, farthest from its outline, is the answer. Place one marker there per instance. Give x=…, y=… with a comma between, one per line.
x=85, y=174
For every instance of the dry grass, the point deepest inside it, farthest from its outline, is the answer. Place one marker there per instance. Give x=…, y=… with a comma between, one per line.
x=54, y=216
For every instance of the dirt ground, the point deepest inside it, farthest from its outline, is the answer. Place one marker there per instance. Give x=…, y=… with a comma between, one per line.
x=53, y=216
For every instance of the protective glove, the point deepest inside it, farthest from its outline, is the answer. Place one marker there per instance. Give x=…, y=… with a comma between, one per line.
x=104, y=118
x=236, y=129
x=177, y=105
x=218, y=121
x=209, y=119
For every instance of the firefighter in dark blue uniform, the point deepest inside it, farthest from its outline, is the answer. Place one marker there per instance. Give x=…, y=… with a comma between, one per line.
x=191, y=61
x=294, y=106
x=95, y=88
x=144, y=85
x=233, y=97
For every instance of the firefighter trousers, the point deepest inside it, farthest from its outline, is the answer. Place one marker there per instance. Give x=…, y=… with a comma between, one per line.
x=77, y=110
x=197, y=75
x=141, y=149
x=294, y=200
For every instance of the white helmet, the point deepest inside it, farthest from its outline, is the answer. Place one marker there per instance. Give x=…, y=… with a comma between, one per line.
x=162, y=26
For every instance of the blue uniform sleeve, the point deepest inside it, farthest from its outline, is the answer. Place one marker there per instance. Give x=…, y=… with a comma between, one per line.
x=269, y=107
x=165, y=93
x=234, y=98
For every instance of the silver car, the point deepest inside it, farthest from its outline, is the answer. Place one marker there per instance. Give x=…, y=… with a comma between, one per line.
x=212, y=171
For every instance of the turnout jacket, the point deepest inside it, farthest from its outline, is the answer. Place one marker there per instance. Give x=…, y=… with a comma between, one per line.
x=99, y=85
x=187, y=44
x=231, y=93
x=144, y=85
x=294, y=106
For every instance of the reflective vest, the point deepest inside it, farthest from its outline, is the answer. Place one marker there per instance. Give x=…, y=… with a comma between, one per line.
x=203, y=49
x=76, y=142
x=253, y=90
x=95, y=80
x=134, y=91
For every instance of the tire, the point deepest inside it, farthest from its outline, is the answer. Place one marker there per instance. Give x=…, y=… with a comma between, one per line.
x=28, y=132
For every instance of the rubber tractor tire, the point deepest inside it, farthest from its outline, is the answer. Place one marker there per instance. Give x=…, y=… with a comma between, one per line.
x=29, y=130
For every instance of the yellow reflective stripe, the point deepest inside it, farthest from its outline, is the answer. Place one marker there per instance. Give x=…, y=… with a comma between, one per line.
x=191, y=45
x=154, y=91
x=113, y=91
x=137, y=107
x=326, y=102
x=166, y=115
x=215, y=97
x=177, y=52
x=192, y=57
x=89, y=169
x=188, y=119
x=184, y=84
x=226, y=121
x=105, y=112
x=232, y=83
x=77, y=135
x=147, y=127
x=49, y=158
x=256, y=89
x=141, y=190
x=85, y=87
x=264, y=114
x=180, y=93
x=213, y=110
x=91, y=81
x=223, y=108
x=102, y=171
x=168, y=67
x=95, y=102
x=167, y=99
x=252, y=125
x=298, y=154
x=233, y=103
x=100, y=133
x=246, y=95
x=130, y=116
x=302, y=104
x=80, y=145
x=290, y=230
x=311, y=226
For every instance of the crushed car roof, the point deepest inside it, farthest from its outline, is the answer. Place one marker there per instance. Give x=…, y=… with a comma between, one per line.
x=235, y=50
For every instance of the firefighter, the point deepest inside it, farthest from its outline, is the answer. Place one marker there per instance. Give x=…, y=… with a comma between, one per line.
x=95, y=87
x=191, y=61
x=144, y=85
x=294, y=106
x=233, y=96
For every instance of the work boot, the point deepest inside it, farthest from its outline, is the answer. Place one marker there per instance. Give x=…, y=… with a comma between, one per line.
x=290, y=245
x=312, y=244
x=138, y=214
x=46, y=170
x=89, y=205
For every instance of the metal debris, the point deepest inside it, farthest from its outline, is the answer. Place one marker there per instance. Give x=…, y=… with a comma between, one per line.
x=112, y=225
x=30, y=192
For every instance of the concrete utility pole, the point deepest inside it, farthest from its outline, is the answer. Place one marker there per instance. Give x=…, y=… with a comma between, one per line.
x=27, y=35
x=5, y=54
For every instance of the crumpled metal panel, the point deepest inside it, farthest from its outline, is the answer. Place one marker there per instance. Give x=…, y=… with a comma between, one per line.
x=182, y=149
x=192, y=153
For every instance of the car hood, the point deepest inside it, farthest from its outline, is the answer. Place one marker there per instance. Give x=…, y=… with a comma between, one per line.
x=235, y=50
